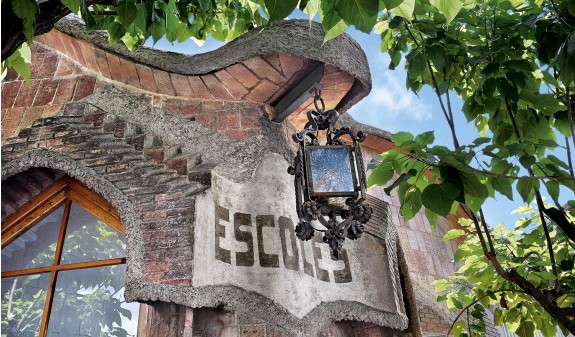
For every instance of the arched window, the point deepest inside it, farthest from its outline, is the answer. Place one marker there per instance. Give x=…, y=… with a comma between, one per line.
x=64, y=267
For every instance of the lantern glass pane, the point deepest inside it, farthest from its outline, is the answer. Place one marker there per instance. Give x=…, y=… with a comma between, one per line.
x=331, y=170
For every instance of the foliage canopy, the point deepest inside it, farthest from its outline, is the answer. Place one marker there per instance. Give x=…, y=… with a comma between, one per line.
x=512, y=62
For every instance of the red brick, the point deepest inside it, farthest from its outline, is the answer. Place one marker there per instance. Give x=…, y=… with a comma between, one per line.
x=336, y=78
x=234, y=87
x=163, y=82
x=9, y=93
x=49, y=38
x=115, y=67
x=65, y=67
x=243, y=75
x=228, y=120
x=77, y=50
x=58, y=43
x=249, y=118
x=209, y=120
x=263, y=69
x=51, y=110
x=89, y=55
x=67, y=41
x=212, y=106
x=130, y=74
x=262, y=92
x=49, y=65
x=291, y=64
x=147, y=81
x=102, y=62
x=100, y=84
x=45, y=92
x=199, y=88
x=30, y=115
x=185, y=108
x=274, y=61
x=216, y=87
x=36, y=66
x=65, y=91
x=10, y=123
x=181, y=85
x=236, y=134
x=11, y=75
x=155, y=154
x=27, y=94
x=84, y=87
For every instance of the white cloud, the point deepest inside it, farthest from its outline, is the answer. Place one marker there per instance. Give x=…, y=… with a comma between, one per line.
x=390, y=101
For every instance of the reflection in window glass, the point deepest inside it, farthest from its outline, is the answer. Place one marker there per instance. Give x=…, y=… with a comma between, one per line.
x=90, y=239
x=36, y=247
x=22, y=304
x=90, y=302
x=331, y=170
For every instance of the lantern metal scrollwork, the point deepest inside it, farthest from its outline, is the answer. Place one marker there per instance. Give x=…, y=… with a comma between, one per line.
x=329, y=179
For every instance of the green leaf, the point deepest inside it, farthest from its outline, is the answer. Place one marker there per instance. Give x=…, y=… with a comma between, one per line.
x=401, y=137
x=553, y=190
x=453, y=234
x=441, y=285
x=547, y=328
x=116, y=32
x=405, y=9
x=527, y=161
x=449, y=8
x=380, y=175
x=503, y=186
x=73, y=5
x=127, y=12
x=431, y=217
x=333, y=25
x=411, y=203
x=280, y=9
x=567, y=265
x=519, y=65
x=472, y=185
x=25, y=9
x=389, y=4
x=526, y=329
x=311, y=8
x=437, y=56
x=360, y=13
x=440, y=197
x=401, y=179
x=426, y=138
x=525, y=187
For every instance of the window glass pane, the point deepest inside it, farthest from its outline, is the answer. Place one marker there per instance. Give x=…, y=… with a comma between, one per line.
x=36, y=247
x=89, y=239
x=22, y=304
x=331, y=170
x=90, y=302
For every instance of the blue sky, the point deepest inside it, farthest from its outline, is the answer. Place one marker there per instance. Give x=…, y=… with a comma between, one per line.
x=392, y=107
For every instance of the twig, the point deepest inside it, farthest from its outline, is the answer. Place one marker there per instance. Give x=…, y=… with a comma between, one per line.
x=540, y=206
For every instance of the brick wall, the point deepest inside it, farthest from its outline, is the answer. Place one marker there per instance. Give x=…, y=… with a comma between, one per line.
x=428, y=257
x=56, y=80
x=116, y=151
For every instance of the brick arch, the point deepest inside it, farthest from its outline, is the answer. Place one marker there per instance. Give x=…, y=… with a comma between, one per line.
x=45, y=158
x=153, y=200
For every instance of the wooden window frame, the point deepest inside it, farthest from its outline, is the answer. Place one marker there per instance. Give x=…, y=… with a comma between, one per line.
x=63, y=192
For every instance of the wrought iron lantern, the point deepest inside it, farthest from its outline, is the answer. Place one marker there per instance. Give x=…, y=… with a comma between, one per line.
x=329, y=179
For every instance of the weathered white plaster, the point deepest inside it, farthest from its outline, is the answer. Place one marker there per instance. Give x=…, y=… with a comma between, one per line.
x=271, y=192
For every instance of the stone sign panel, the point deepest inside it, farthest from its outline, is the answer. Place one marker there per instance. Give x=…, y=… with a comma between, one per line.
x=244, y=237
